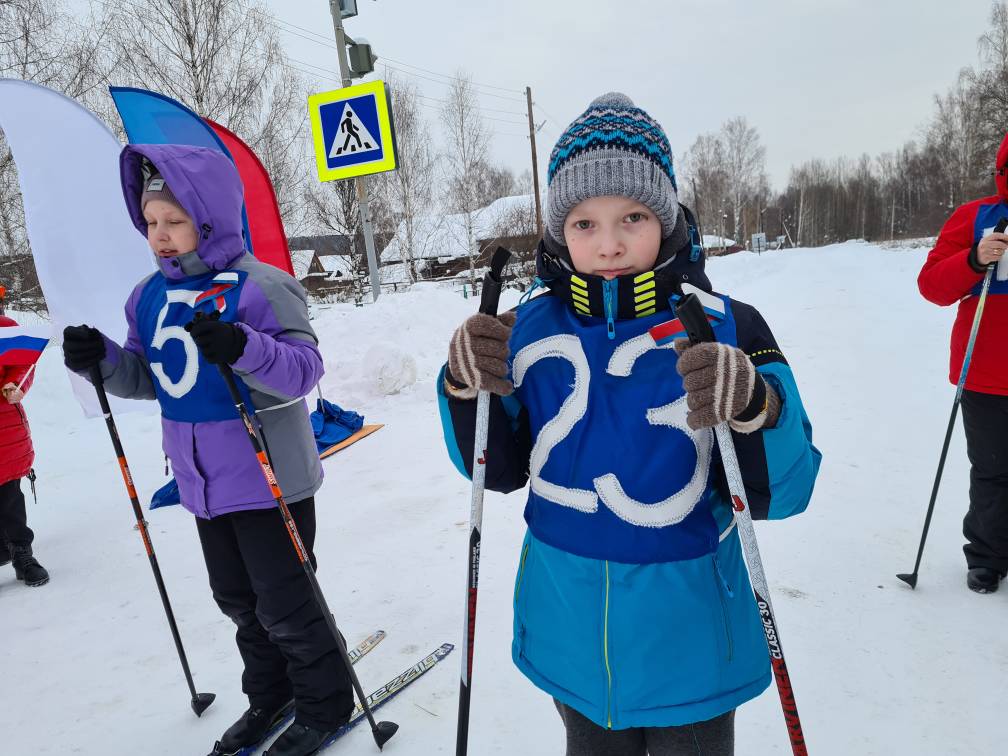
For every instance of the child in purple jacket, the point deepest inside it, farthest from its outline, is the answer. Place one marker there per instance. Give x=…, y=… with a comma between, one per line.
x=187, y=201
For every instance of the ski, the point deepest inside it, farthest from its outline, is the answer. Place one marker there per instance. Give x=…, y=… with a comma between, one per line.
x=365, y=646
x=389, y=690
x=356, y=653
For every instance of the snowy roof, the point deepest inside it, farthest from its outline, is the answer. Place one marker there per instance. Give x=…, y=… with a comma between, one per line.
x=444, y=236
x=336, y=263
x=714, y=241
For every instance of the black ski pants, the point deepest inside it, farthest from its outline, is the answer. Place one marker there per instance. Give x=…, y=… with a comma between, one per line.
x=284, y=641
x=13, y=517
x=985, y=417
x=715, y=737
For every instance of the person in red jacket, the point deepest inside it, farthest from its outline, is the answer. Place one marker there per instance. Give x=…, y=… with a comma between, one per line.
x=16, y=457
x=954, y=273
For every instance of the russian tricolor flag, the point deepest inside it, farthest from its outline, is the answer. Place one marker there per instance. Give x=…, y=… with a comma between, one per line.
x=22, y=346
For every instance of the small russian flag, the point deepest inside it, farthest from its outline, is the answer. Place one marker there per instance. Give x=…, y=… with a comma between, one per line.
x=21, y=345
x=670, y=330
x=223, y=282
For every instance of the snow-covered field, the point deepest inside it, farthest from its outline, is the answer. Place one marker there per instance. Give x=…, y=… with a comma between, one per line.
x=88, y=662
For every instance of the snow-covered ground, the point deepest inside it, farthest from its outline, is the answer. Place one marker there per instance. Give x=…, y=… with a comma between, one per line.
x=89, y=666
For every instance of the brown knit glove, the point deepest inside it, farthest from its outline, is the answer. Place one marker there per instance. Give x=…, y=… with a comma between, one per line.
x=722, y=384
x=477, y=356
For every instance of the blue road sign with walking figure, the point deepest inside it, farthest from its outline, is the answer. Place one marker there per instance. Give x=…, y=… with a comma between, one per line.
x=352, y=130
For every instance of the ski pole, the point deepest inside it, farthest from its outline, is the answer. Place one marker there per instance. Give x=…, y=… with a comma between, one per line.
x=911, y=578
x=488, y=306
x=691, y=314
x=200, y=701
x=381, y=731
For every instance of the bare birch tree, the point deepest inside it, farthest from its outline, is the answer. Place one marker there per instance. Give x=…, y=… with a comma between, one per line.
x=954, y=132
x=467, y=147
x=745, y=165
x=223, y=59
x=40, y=42
x=410, y=187
x=704, y=167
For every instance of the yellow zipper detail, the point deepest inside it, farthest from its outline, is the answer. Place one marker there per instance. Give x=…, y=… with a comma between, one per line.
x=521, y=571
x=605, y=635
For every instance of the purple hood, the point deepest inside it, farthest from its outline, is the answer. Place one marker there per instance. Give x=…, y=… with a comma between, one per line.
x=206, y=184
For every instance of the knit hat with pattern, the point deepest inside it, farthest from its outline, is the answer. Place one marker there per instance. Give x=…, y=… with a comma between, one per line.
x=613, y=148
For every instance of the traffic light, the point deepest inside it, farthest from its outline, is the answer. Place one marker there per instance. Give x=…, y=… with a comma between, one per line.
x=361, y=59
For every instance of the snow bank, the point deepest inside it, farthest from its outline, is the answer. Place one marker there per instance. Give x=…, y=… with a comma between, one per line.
x=877, y=669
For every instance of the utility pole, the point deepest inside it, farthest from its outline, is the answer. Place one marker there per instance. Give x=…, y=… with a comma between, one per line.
x=361, y=181
x=535, y=162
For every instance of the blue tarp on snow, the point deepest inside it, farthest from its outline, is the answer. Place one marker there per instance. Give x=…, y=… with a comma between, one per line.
x=330, y=422
x=333, y=424
x=166, y=496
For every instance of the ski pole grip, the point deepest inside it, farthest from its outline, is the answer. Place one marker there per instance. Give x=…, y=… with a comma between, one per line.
x=691, y=314
x=1001, y=226
x=493, y=281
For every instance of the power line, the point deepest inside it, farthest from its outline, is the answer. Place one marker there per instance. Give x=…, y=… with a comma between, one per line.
x=476, y=83
x=335, y=76
x=322, y=40
x=555, y=121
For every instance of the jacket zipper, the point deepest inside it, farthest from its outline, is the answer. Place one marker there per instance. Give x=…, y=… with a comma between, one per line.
x=608, y=300
x=719, y=577
x=521, y=571
x=605, y=648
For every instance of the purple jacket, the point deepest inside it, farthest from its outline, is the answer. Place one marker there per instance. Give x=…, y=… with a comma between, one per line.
x=207, y=444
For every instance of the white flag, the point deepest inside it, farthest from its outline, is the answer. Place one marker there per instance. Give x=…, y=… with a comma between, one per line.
x=87, y=251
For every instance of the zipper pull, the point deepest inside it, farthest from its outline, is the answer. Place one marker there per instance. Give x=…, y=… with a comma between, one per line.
x=537, y=283
x=608, y=293
x=721, y=577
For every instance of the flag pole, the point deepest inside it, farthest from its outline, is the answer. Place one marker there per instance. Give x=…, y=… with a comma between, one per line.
x=26, y=376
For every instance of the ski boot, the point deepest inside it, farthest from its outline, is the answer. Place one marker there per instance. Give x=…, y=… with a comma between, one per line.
x=26, y=567
x=983, y=579
x=299, y=740
x=251, y=728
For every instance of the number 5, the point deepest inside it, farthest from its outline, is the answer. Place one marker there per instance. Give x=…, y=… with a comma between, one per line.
x=163, y=334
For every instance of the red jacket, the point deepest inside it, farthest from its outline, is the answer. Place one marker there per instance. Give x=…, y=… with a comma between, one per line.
x=947, y=278
x=16, y=453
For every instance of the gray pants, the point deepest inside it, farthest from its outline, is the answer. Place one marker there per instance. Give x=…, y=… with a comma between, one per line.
x=715, y=737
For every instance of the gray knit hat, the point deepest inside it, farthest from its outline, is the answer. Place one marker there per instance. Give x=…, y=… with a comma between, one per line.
x=157, y=188
x=613, y=148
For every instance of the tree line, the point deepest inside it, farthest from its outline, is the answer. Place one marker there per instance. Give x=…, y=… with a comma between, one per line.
x=225, y=59
x=904, y=193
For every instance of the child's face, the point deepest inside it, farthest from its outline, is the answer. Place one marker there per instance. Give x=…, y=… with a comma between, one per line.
x=170, y=230
x=612, y=236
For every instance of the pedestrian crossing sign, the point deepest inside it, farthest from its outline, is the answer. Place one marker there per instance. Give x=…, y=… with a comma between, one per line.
x=353, y=131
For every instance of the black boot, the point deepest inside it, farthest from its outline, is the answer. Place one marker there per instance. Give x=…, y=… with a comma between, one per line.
x=26, y=567
x=4, y=553
x=983, y=579
x=252, y=728
x=299, y=740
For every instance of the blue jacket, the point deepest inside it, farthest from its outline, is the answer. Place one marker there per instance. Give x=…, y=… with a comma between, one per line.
x=632, y=602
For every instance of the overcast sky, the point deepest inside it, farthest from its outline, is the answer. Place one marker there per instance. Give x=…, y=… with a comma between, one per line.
x=818, y=78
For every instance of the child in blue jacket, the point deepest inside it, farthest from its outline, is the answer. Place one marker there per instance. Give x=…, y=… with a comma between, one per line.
x=632, y=607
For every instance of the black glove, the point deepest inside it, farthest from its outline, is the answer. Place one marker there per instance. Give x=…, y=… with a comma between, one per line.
x=220, y=343
x=83, y=347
